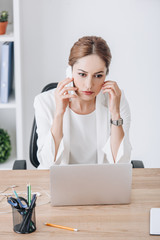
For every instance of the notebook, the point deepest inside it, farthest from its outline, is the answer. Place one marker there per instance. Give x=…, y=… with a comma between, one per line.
x=155, y=221
x=90, y=184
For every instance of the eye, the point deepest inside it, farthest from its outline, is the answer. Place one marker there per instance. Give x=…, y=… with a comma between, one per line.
x=82, y=74
x=98, y=75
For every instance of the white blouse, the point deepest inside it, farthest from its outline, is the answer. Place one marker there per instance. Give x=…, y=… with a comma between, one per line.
x=45, y=107
x=83, y=148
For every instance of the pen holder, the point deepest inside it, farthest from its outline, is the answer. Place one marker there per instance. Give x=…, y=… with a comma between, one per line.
x=24, y=220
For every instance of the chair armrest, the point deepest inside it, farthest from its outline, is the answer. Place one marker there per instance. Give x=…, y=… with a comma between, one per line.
x=19, y=165
x=137, y=164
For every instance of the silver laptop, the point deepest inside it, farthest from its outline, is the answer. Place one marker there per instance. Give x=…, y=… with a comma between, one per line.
x=90, y=184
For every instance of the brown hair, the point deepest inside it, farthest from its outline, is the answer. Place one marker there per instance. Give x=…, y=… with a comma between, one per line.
x=90, y=45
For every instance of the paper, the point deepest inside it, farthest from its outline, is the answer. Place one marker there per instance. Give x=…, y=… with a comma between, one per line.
x=155, y=221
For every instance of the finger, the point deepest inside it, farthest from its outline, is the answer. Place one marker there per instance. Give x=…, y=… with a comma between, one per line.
x=109, y=87
x=110, y=91
x=64, y=82
x=65, y=90
x=113, y=87
x=112, y=83
x=68, y=96
x=70, y=88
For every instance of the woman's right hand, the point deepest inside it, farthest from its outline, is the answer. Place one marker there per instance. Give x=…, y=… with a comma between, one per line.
x=62, y=96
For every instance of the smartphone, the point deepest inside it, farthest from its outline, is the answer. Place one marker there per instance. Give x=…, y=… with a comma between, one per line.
x=105, y=79
x=70, y=85
x=69, y=75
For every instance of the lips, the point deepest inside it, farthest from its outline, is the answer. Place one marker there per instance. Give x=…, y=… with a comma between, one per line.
x=87, y=92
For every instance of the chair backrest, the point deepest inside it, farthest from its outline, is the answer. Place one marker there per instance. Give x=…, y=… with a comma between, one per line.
x=33, y=140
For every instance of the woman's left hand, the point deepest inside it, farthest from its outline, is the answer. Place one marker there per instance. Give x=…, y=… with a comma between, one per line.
x=114, y=92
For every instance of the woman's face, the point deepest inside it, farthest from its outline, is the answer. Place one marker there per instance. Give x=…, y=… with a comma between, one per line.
x=89, y=74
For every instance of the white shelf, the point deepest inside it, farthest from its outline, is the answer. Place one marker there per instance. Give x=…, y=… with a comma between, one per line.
x=11, y=112
x=9, y=36
x=11, y=103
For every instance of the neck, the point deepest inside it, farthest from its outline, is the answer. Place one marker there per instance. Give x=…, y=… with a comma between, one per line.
x=80, y=106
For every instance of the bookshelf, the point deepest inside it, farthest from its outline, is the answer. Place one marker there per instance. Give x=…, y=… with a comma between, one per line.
x=11, y=103
x=11, y=112
x=9, y=36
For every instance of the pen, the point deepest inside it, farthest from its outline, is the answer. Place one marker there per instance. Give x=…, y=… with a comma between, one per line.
x=14, y=191
x=28, y=215
x=62, y=227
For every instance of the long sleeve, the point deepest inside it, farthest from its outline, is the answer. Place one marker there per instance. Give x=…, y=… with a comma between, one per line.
x=44, y=113
x=124, y=151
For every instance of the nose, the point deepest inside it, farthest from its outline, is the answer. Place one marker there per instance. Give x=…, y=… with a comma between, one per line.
x=88, y=82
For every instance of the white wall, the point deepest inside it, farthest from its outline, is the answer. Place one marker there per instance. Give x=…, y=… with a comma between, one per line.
x=7, y=5
x=131, y=28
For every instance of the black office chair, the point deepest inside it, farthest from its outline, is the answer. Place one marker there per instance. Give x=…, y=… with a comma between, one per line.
x=33, y=141
x=21, y=164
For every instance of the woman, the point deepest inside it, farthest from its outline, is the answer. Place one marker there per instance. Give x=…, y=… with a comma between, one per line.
x=86, y=119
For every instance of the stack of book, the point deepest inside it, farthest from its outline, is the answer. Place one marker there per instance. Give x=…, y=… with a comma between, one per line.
x=6, y=71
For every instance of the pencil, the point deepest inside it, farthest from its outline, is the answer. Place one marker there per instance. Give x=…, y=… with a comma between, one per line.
x=62, y=227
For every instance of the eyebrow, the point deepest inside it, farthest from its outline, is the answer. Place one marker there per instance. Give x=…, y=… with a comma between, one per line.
x=94, y=73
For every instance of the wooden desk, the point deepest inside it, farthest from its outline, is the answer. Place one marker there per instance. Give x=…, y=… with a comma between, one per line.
x=120, y=222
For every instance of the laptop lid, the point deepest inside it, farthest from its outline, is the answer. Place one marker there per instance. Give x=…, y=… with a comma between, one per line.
x=90, y=184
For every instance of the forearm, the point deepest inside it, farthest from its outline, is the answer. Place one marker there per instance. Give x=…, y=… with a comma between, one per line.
x=117, y=135
x=57, y=131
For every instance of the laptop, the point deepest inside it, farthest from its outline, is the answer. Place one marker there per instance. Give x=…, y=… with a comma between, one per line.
x=90, y=184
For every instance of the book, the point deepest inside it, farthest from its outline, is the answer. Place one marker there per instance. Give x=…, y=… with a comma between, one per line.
x=6, y=71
